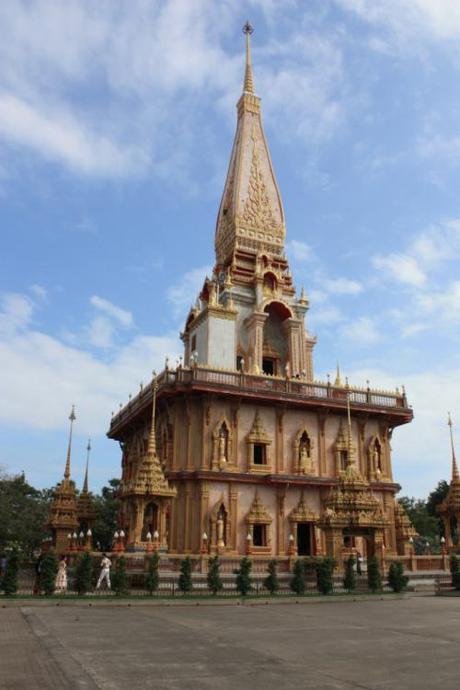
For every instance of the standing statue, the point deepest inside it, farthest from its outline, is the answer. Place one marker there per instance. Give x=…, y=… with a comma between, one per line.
x=220, y=532
x=222, y=449
x=304, y=459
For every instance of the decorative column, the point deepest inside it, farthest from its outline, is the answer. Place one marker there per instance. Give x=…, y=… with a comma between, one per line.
x=281, y=521
x=204, y=507
x=361, y=448
x=255, y=325
x=279, y=441
x=322, y=464
x=234, y=516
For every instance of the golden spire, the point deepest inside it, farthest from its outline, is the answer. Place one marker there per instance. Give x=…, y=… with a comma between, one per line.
x=455, y=474
x=72, y=418
x=349, y=457
x=248, y=79
x=338, y=378
x=152, y=444
x=85, y=483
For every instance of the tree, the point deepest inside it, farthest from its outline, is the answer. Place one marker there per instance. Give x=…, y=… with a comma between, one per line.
x=48, y=572
x=120, y=578
x=9, y=582
x=349, y=581
x=215, y=583
x=455, y=572
x=83, y=574
x=271, y=582
x=396, y=578
x=185, y=583
x=106, y=508
x=23, y=513
x=297, y=583
x=324, y=571
x=243, y=576
x=435, y=498
x=425, y=524
x=152, y=578
x=374, y=579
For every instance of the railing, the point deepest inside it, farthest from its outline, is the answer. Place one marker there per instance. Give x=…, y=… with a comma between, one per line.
x=293, y=388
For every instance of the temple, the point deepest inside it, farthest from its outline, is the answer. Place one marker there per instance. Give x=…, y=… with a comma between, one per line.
x=449, y=509
x=239, y=449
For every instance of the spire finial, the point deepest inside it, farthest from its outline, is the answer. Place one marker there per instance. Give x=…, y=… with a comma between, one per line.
x=455, y=474
x=72, y=418
x=248, y=80
x=88, y=451
x=152, y=445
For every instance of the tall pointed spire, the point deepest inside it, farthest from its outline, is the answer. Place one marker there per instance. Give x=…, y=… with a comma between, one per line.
x=349, y=438
x=152, y=443
x=248, y=86
x=72, y=418
x=251, y=216
x=85, y=482
x=455, y=474
x=338, y=378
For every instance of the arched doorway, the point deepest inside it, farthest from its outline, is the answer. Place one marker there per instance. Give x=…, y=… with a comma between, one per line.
x=275, y=352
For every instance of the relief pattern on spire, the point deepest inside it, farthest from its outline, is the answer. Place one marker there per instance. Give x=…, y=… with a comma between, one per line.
x=257, y=212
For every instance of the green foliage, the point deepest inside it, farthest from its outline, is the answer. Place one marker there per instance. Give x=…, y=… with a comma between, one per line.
x=23, y=513
x=349, y=581
x=48, y=572
x=9, y=582
x=396, y=578
x=185, y=583
x=83, y=574
x=243, y=576
x=106, y=508
x=455, y=572
x=426, y=524
x=297, y=583
x=271, y=582
x=214, y=580
x=152, y=577
x=374, y=578
x=324, y=571
x=120, y=583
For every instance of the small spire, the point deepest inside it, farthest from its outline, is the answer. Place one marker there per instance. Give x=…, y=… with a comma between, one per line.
x=248, y=80
x=338, y=379
x=152, y=444
x=85, y=483
x=455, y=474
x=72, y=418
x=348, y=423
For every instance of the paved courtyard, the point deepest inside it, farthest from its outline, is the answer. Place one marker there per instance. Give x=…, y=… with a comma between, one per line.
x=405, y=644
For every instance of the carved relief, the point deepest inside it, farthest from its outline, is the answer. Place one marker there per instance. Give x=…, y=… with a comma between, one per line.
x=302, y=453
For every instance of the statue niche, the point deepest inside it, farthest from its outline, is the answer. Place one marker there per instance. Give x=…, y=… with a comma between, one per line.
x=219, y=527
x=221, y=445
x=375, y=459
x=302, y=452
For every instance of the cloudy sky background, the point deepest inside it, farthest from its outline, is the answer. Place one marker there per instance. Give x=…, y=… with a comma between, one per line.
x=116, y=123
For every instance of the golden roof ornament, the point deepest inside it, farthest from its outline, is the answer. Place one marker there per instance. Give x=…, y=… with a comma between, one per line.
x=455, y=474
x=72, y=418
x=338, y=379
x=248, y=77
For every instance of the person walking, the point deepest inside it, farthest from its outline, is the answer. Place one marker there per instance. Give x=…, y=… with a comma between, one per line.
x=106, y=564
x=60, y=585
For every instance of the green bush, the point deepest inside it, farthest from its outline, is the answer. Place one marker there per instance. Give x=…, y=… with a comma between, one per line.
x=374, y=578
x=396, y=578
x=152, y=577
x=243, y=577
x=324, y=571
x=120, y=583
x=48, y=572
x=215, y=584
x=349, y=581
x=297, y=583
x=83, y=574
x=9, y=582
x=185, y=578
x=271, y=582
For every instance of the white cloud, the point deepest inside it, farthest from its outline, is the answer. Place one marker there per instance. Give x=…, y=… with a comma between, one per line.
x=300, y=251
x=58, y=136
x=400, y=267
x=430, y=19
x=362, y=332
x=16, y=312
x=123, y=317
x=327, y=315
x=443, y=304
x=342, y=286
x=41, y=373
x=39, y=291
x=183, y=294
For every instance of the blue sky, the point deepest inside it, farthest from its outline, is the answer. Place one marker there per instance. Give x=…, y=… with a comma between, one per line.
x=116, y=124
